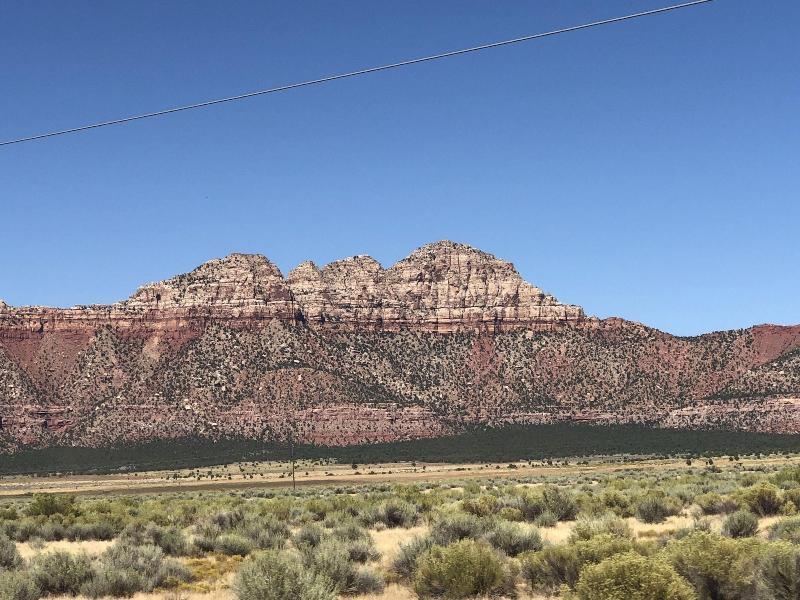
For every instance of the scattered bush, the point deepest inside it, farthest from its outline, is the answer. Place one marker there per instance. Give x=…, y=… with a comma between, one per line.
x=463, y=569
x=513, y=538
x=714, y=504
x=265, y=532
x=309, y=536
x=275, y=575
x=47, y=505
x=559, y=565
x=170, y=539
x=787, y=530
x=764, y=499
x=778, y=572
x=546, y=519
x=331, y=558
x=655, y=508
x=482, y=506
x=716, y=566
x=392, y=513
x=233, y=544
x=560, y=502
x=630, y=576
x=552, y=567
x=586, y=528
x=9, y=556
x=61, y=572
x=362, y=551
x=405, y=563
x=453, y=527
x=17, y=585
x=742, y=523
x=125, y=568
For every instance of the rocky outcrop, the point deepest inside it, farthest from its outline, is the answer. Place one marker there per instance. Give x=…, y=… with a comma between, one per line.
x=354, y=353
x=441, y=287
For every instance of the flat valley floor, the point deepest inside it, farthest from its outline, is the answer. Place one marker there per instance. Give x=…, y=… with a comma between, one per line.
x=219, y=518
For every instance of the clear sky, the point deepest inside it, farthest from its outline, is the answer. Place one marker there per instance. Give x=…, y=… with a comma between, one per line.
x=648, y=170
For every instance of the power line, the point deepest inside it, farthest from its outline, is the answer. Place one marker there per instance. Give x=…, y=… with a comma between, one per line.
x=329, y=78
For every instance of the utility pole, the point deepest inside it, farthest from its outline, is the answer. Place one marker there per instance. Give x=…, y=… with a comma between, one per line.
x=291, y=453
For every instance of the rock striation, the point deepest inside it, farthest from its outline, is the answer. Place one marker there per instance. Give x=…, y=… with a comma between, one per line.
x=442, y=287
x=352, y=352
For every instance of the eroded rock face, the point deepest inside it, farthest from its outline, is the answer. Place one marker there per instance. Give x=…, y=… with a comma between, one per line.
x=354, y=353
x=240, y=283
x=441, y=287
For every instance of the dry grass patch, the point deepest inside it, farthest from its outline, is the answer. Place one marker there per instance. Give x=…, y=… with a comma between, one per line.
x=91, y=547
x=388, y=541
x=172, y=595
x=557, y=534
x=211, y=573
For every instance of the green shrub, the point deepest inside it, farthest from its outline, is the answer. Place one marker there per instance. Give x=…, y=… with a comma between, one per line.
x=9, y=555
x=586, y=528
x=170, y=539
x=552, y=567
x=617, y=502
x=101, y=530
x=351, y=532
x=778, y=572
x=108, y=581
x=8, y=513
x=227, y=519
x=275, y=575
x=233, y=544
x=787, y=530
x=714, y=504
x=362, y=550
x=481, y=506
x=137, y=568
x=787, y=475
x=405, y=563
x=742, y=523
x=463, y=569
x=309, y=536
x=531, y=504
x=17, y=585
x=367, y=581
x=331, y=558
x=265, y=532
x=719, y=568
x=558, y=565
x=392, y=513
x=513, y=538
x=510, y=513
x=560, y=502
x=546, y=519
x=655, y=508
x=764, y=499
x=630, y=576
x=61, y=572
x=449, y=528
x=51, y=504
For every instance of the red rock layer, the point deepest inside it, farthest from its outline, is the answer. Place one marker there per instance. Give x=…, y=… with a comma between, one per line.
x=353, y=353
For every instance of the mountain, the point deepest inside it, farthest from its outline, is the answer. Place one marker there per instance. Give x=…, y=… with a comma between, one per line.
x=351, y=353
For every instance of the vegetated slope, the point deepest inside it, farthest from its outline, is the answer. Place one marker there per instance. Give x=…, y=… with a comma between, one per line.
x=447, y=339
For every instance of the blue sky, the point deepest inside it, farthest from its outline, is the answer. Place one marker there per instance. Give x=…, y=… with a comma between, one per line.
x=647, y=170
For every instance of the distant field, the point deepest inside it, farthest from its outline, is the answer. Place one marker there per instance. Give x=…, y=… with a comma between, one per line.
x=405, y=530
x=481, y=445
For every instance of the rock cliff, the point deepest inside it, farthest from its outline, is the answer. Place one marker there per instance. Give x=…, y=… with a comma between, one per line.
x=351, y=352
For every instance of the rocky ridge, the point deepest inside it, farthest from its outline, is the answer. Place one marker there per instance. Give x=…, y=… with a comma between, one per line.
x=351, y=352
